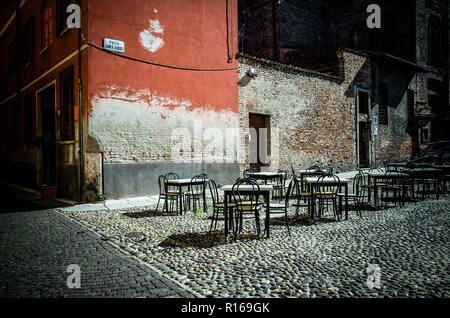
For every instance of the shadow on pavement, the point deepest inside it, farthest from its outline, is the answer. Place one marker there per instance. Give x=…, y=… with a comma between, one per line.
x=13, y=200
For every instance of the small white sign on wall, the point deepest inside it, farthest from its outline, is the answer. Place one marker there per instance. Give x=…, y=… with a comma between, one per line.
x=114, y=45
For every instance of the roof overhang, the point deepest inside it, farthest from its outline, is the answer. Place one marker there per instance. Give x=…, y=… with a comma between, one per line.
x=395, y=59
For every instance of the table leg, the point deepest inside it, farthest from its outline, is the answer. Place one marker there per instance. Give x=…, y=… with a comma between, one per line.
x=181, y=199
x=204, y=198
x=313, y=200
x=346, y=201
x=267, y=199
x=166, y=204
x=226, y=214
x=375, y=191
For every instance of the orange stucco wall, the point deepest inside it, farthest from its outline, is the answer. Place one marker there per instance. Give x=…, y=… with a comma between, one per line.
x=194, y=35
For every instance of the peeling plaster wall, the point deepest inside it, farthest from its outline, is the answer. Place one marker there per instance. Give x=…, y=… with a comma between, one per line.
x=144, y=127
x=139, y=112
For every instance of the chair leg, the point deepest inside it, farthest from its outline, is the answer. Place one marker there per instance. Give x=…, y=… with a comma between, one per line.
x=157, y=205
x=287, y=222
x=258, y=225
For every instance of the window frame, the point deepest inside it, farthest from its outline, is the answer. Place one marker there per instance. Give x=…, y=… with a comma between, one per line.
x=64, y=75
x=62, y=15
x=28, y=40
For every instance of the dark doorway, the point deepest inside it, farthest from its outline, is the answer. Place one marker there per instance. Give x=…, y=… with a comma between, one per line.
x=48, y=144
x=364, y=161
x=363, y=129
x=259, y=138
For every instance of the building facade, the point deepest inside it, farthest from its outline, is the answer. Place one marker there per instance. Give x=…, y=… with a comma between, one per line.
x=213, y=86
x=159, y=100
x=404, y=91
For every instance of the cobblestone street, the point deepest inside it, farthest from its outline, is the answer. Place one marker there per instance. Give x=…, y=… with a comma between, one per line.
x=326, y=259
x=409, y=246
x=37, y=247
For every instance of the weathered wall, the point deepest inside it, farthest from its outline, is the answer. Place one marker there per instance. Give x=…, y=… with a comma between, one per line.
x=425, y=9
x=312, y=115
x=393, y=142
x=140, y=114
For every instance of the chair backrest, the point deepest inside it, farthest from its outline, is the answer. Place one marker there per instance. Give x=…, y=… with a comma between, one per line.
x=358, y=183
x=198, y=187
x=326, y=187
x=172, y=176
x=284, y=174
x=388, y=177
x=161, y=183
x=314, y=172
x=248, y=172
x=290, y=190
x=214, y=192
x=293, y=172
x=248, y=197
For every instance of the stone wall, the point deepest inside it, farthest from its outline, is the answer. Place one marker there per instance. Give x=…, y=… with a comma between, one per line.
x=311, y=114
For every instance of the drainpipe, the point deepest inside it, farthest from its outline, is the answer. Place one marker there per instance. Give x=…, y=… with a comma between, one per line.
x=80, y=114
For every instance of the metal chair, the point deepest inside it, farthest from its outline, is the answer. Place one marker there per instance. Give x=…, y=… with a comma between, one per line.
x=248, y=172
x=357, y=195
x=306, y=196
x=195, y=192
x=283, y=208
x=327, y=193
x=218, y=204
x=247, y=203
x=279, y=186
x=389, y=185
x=171, y=195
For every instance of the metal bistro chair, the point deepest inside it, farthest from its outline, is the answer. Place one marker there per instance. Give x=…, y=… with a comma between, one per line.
x=306, y=196
x=218, y=205
x=370, y=188
x=327, y=193
x=247, y=203
x=283, y=207
x=389, y=185
x=358, y=195
x=279, y=186
x=195, y=192
x=248, y=172
x=171, y=195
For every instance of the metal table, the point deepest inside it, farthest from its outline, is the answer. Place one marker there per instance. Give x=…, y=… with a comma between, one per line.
x=425, y=173
x=313, y=184
x=377, y=175
x=180, y=183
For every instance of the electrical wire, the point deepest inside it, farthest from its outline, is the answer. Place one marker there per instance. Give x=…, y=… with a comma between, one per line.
x=159, y=64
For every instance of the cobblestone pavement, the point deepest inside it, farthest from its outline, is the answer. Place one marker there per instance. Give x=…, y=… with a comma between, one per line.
x=397, y=252
x=37, y=247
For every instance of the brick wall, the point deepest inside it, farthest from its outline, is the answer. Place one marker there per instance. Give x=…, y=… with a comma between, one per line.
x=311, y=114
